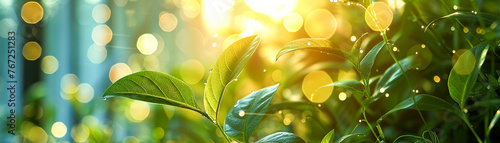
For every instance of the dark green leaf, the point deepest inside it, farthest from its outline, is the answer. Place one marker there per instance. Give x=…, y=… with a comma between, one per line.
x=329, y=137
x=226, y=69
x=468, y=15
x=392, y=77
x=282, y=137
x=424, y=102
x=367, y=62
x=322, y=45
x=463, y=76
x=155, y=87
x=247, y=113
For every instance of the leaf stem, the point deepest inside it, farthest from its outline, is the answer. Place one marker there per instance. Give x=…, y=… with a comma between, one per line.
x=217, y=125
x=369, y=125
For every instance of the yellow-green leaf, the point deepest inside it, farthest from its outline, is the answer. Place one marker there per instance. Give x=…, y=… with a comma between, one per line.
x=226, y=69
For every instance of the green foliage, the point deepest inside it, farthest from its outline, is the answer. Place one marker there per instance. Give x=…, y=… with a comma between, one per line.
x=282, y=137
x=226, y=69
x=329, y=138
x=247, y=113
x=318, y=44
x=154, y=87
x=464, y=74
x=365, y=66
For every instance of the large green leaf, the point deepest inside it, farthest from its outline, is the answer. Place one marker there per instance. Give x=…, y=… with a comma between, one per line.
x=282, y=137
x=463, y=76
x=367, y=62
x=329, y=137
x=355, y=87
x=425, y=102
x=392, y=77
x=226, y=69
x=245, y=116
x=494, y=121
x=155, y=87
x=467, y=15
x=319, y=44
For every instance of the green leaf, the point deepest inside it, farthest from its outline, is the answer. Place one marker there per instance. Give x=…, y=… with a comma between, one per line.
x=481, y=16
x=392, y=77
x=494, y=120
x=355, y=87
x=424, y=102
x=319, y=44
x=367, y=62
x=282, y=137
x=355, y=50
x=226, y=69
x=463, y=76
x=329, y=137
x=247, y=113
x=155, y=87
x=352, y=138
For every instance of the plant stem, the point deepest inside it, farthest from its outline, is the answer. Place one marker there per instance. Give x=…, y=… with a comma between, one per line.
x=471, y=129
x=369, y=125
x=217, y=125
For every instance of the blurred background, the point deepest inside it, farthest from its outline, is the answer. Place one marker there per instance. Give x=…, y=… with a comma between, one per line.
x=69, y=52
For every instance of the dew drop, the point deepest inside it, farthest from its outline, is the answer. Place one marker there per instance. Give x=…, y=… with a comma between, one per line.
x=454, y=51
x=394, y=49
x=205, y=83
x=241, y=113
x=422, y=27
x=308, y=44
x=361, y=51
x=382, y=90
x=353, y=38
x=210, y=71
x=455, y=7
x=452, y=28
x=280, y=112
x=416, y=53
x=386, y=94
x=235, y=79
x=359, y=120
x=264, y=70
x=423, y=45
x=319, y=105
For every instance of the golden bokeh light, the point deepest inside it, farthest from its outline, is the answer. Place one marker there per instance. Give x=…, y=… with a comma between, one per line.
x=167, y=21
x=423, y=57
x=465, y=63
x=32, y=12
x=320, y=23
x=97, y=53
x=139, y=110
x=102, y=34
x=37, y=135
x=293, y=22
x=69, y=83
x=230, y=40
x=118, y=71
x=80, y=133
x=58, y=129
x=147, y=44
x=396, y=4
x=436, y=79
x=49, y=64
x=381, y=13
x=276, y=75
x=191, y=8
x=342, y=96
x=101, y=13
x=276, y=9
x=120, y=3
x=192, y=71
x=32, y=51
x=312, y=86
x=288, y=119
x=85, y=93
